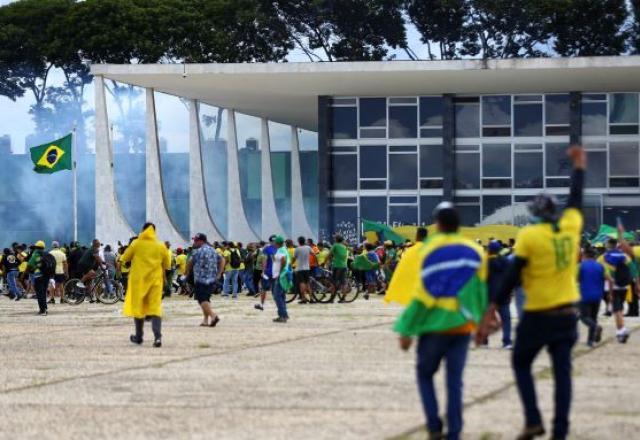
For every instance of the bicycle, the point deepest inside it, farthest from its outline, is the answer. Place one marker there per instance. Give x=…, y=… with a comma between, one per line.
x=74, y=295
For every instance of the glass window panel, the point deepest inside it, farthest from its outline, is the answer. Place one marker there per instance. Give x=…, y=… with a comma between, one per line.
x=343, y=200
x=497, y=210
x=373, y=161
x=373, y=184
x=623, y=159
x=431, y=132
x=403, y=200
x=557, y=109
x=403, y=122
x=467, y=122
x=213, y=134
x=528, y=170
x=403, y=215
x=496, y=110
x=496, y=183
x=624, y=108
x=344, y=123
x=496, y=131
x=467, y=171
x=249, y=164
x=469, y=215
x=594, y=118
x=528, y=98
x=431, y=108
x=496, y=160
x=344, y=221
x=557, y=162
x=308, y=141
x=373, y=133
x=403, y=171
x=557, y=130
x=597, y=175
x=623, y=182
x=373, y=112
x=623, y=129
x=280, y=143
x=373, y=208
x=560, y=182
x=403, y=100
x=430, y=183
x=343, y=172
x=522, y=147
x=527, y=120
x=594, y=97
x=431, y=160
x=343, y=101
x=427, y=205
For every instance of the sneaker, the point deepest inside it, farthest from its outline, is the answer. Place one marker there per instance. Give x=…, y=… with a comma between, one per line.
x=80, y=285
x=622, y=338
x=531, y=432
x=215, y=321
x=597, y=337
x=136, y=340
x=258, y=307
x=42, y=313
x=507, y=346
x=280, y=320
x=52, y=301
x=157, y=343
x=366, y=296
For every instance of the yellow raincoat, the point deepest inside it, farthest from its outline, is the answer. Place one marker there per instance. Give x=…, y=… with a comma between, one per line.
x=149, y=259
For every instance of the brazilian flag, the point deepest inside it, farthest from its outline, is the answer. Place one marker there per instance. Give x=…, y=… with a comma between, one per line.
x=53, y=157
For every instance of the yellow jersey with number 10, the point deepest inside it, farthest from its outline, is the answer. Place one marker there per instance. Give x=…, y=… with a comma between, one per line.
x=549, y=277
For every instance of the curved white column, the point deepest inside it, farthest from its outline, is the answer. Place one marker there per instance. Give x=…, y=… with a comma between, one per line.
x=238, y=226
x=156, y=203
x=299, y=223
x=199, y=216
x=111, y=226
x=270, y=221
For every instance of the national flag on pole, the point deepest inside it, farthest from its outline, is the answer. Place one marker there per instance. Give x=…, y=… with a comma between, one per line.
x=53, y=156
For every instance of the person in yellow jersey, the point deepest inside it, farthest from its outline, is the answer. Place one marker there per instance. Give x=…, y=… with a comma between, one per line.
x=546, y=260
x=149, y=260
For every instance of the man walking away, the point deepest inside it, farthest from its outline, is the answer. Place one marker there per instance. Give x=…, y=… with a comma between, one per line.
x=62, y=271
x=497, y=269
x=233, y=265
x=280, y=269
x=206, y=266
x=591, y=277
x=149, y=261
x=302, y=256
x=618, y=266
x=42, y=266
x=545, y=260
x=449, y=298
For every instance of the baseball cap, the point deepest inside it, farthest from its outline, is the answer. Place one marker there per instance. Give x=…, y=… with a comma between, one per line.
x=55, y=245
x=200, y=237
x=278, y=239
x=272, y=237
x=494, y=246
x=39, y=244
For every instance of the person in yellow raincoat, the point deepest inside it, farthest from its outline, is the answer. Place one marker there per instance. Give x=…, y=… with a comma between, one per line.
x=149, y=261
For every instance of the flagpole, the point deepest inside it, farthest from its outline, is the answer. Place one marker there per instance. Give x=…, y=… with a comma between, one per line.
x=75, y=185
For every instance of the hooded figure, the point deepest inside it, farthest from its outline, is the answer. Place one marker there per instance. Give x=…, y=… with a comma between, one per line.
x=149, y=261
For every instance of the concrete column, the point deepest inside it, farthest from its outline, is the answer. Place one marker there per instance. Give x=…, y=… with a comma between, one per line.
x=200, y=219
x=299, y=223
x=324, y=168
x=111, y=225
x=239, y=228
x=270, y=221
x=156, y=203
x=575, y=118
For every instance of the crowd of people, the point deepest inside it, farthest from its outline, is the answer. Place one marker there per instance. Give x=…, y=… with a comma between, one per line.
x=452, y=287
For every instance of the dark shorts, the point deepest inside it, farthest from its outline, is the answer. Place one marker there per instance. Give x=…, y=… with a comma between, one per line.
x=302, y=276
x=60, y=278
x=266, y=284
x=340, y=276
x=371, y=277
x=618, y=300
x=202, y=292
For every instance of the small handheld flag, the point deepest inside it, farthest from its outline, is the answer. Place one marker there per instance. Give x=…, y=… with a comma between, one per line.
x=53, y=156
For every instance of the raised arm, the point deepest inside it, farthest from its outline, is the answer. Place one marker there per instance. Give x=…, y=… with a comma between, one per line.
x=576, y=189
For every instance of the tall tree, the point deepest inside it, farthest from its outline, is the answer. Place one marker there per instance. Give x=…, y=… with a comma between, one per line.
x=354, y=30
x=588, y=27
x=441, y=23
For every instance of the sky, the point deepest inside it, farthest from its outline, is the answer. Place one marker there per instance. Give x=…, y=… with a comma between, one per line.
x=16, y=121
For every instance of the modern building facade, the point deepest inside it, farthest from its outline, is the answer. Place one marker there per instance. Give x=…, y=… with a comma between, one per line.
x=391, y=140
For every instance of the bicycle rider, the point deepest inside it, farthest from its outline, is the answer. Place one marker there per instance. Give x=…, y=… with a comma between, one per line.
x=89, y=263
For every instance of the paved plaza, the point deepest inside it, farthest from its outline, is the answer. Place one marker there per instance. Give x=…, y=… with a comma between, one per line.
x=332, y=372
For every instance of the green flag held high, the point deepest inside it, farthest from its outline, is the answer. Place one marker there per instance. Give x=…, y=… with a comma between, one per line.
x=53, y=157
x=384, y=232
x=606, y=232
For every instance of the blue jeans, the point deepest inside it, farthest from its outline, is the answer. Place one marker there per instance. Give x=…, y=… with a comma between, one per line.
x=230, y=278
x=280, y=299
x=505, y=317
x=432, y=348
x=558, y=333
x=247, y=279
x=12, y=282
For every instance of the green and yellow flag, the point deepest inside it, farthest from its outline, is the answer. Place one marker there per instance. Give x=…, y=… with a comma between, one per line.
x=52, y=157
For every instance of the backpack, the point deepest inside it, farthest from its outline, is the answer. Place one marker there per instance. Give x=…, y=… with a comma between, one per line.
x=234, y=259
x=622, y=275
x=47, y=265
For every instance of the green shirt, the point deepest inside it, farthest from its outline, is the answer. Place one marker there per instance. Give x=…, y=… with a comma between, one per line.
x=34, y=262
x=339, y=256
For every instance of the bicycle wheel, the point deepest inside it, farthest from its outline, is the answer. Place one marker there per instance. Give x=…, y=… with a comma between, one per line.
x=103, y=294
x=71, y=293
x=349, y=296
x=291, y=295
x=322, y=290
